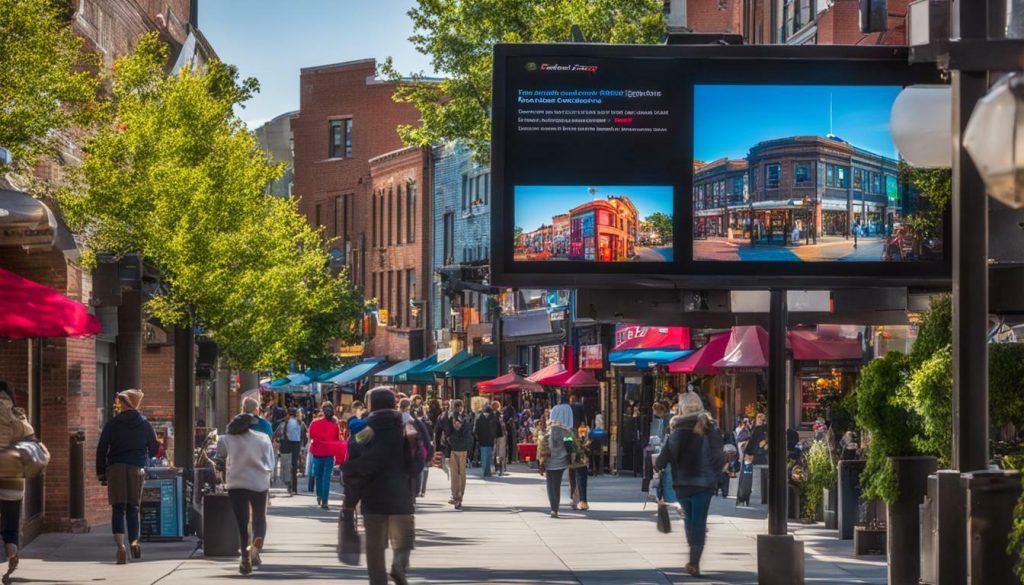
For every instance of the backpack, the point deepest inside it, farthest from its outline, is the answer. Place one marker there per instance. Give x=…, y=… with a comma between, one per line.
x=417, y=448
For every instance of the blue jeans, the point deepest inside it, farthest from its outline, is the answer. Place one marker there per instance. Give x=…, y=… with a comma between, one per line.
x=667, y=491
x=322, y=467
x=125, y=514
x=485, y=460
x=695, y=516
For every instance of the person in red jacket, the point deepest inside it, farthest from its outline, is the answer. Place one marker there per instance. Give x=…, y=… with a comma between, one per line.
x=325, y=437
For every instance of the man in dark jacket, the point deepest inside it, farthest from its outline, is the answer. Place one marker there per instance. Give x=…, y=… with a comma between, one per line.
x=379, y=467
x=486, y=431
x=458, y=436
x=126, y=444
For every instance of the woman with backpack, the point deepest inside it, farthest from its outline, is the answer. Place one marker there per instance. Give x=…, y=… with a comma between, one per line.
x=558, y=449
x=695, y=451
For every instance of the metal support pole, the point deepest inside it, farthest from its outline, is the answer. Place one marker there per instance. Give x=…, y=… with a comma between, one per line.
x=129, y=340
x=184, y=398
x=777, y=481
x=970, y=263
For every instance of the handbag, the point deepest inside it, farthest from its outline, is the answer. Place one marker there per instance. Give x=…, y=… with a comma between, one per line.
x=438, y=459
x=34, y=457
x=664, y=522
x=349, y=546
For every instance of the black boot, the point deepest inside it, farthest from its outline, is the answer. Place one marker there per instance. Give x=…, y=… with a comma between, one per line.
x=693, y=567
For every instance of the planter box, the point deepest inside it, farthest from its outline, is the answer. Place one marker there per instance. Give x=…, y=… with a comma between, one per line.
x=830, y=507
x=903, y=519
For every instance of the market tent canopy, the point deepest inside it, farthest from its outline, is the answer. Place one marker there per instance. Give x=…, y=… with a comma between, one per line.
x=294, y=379
x=702, y=361
x=747, y=348
x=399, y=368
x=421, y=373
x=476, y=367
x=509, y=382
x=581, y=379
x=359, y=371
x=29, y=309
x=812, y=345
x=545, y=372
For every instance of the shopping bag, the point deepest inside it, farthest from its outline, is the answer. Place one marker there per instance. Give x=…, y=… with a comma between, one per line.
x=664, y=521
x=349, y=546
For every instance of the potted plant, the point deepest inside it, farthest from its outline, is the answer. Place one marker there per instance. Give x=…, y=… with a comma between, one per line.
x=821, y=475
x=896, y=471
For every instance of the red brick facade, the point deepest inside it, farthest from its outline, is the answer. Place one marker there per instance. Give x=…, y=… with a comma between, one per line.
x=398, y=265
x=336, y=188
x=714, y=16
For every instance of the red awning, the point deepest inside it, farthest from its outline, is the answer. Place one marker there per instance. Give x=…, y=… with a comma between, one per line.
x=747, y=348
x=547, y=371
x=29, y=309
x=702, y=361
x=644, y=337
x=555, y=379
x=508, y=383
x=810, y=345
x=581, y=379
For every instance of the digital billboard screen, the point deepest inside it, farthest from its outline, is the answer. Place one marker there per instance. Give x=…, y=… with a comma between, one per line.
x=676, y=164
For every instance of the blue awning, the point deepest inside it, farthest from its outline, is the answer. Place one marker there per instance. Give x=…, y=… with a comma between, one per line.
x=359, y=371
x=399, y=368
x=646, y=358
x=295, y=379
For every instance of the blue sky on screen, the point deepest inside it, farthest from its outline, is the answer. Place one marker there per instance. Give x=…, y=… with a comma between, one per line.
x=729, y=119
x=536, y=204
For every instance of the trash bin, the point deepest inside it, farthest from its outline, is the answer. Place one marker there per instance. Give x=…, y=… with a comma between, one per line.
x=849, y=496
x=220, y=532
x=991, y=497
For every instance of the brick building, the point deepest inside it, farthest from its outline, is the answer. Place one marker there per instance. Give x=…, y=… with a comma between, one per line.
x=67, y=385
x=347, y=118
x=798, y=182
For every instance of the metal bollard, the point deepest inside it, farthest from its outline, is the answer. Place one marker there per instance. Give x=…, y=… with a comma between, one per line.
x=76, y=476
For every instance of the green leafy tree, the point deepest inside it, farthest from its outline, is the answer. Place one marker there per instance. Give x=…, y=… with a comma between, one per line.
x=459, y=36
x=176, y=176
x=46, y=82
x=935, y=190
x=935, y=331
x=662, y=223
x=929, y=392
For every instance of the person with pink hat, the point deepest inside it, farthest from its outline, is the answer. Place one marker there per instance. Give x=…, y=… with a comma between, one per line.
x=126, y=444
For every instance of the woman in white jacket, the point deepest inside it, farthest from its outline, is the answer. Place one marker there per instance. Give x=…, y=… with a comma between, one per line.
x=247, y=456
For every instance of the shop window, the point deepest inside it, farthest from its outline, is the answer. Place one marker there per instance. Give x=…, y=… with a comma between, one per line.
x=347, y=127
x=858, y=179
x=876, y=183
x=771, y=176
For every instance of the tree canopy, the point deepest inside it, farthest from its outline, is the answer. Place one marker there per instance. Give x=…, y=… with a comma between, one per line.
x=176, y=176
x=46, y=83
x=459, y=35
x=662, y=223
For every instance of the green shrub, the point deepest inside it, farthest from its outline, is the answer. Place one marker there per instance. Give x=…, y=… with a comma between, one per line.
x=935, y=331
x=929, y=392
x=821, y=474
x=1006, y=384
x=891, y=427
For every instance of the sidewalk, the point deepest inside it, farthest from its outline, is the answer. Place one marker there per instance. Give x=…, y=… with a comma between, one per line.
x=503, y=535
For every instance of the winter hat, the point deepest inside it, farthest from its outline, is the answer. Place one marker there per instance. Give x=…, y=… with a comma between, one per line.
x=381, y=399
x=131, y=398
x=690, y=404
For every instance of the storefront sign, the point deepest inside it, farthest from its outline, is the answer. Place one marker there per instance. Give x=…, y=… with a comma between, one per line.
x=592, y=357
x=645, y=337
x=550, y=354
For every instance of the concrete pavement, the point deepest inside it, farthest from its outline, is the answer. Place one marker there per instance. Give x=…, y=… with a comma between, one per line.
x=503, y=535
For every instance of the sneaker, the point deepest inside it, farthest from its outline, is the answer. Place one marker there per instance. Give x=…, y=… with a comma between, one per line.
x=458, y=505
x=257, y=547
x=693, y=570
x=399, y=578
x=554, y=513
x=451, y=500
x=245, y=566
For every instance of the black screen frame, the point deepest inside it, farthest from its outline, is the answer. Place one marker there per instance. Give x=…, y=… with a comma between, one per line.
x=705, y=64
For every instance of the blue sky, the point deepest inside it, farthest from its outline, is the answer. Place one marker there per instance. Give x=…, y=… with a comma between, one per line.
x=729, y=119
x=272, y=40
x=535, y=204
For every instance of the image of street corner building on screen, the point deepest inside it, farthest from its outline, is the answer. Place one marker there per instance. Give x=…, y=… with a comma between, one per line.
x=804, y=174
x=611, y=223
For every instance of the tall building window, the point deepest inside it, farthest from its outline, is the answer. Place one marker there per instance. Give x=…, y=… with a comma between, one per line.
x=400, y=236
x=400, y=304
x=876, y=183
x=373, y=224
x=347, y=127
x=335, y=139
x=843, y=177
x=858, y=179
x=411, y=287
x=391, y=297
x=465, y=191
x=802, y=173
x=380, y=220
x=391, y=214
x=410, y=213
x=771, y=176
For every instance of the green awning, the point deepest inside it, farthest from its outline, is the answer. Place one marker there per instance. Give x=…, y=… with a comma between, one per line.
x=483, y=367
x=401, y=367
x=442, y=369
x=421, y=373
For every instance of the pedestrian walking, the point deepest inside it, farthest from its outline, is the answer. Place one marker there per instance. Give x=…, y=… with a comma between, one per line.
x=380, y=469
x=426, y=427
x=252, y=406
x=125, y=446
x=556, y=444
x=695, y=451
x=14, y=427
x=246, y=457
x=458, y=436
x=326, y=450
x=289, y=434
x=486, y=431
x=758, y=444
